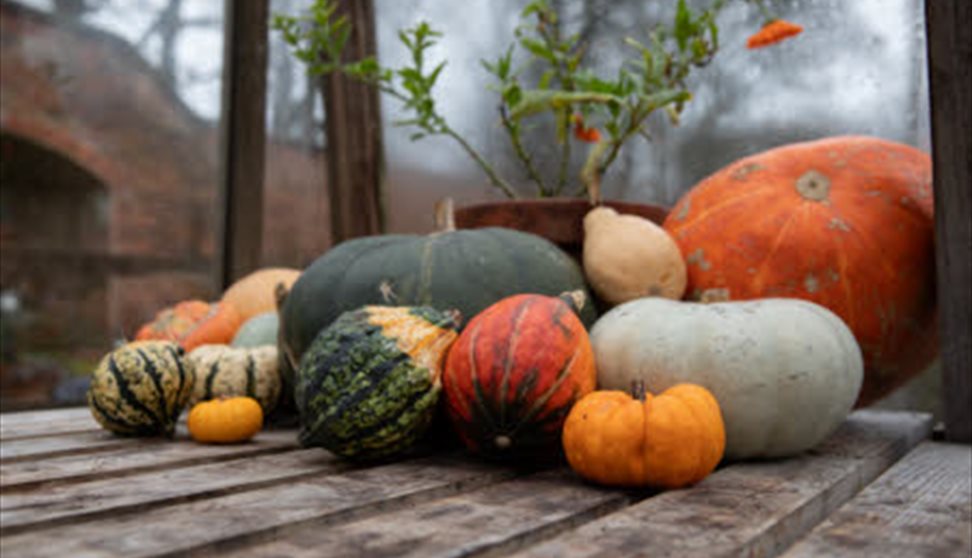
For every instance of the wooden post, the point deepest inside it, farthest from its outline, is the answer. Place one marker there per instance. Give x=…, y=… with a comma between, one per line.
x=242, y=138
x=354, y=149
x=950, y=76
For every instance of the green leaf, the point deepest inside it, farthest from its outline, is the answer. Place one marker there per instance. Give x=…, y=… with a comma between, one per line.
x=535, y=101
x=684, y=27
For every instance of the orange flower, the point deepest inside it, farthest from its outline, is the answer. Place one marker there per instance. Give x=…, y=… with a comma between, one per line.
x=773, y=32
x=582, y=132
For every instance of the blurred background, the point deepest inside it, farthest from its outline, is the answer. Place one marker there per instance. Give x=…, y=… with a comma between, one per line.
x=109, y=145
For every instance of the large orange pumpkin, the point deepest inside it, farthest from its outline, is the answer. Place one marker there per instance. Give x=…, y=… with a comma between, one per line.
x=846, y=222
x=256, y=293
x=192, y=323
x=513, y=374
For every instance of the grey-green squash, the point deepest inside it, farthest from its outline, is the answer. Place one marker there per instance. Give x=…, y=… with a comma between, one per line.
x=258, y=330
x=786, y=372
x=225, y=371
x=368, y=385
x=140, y=389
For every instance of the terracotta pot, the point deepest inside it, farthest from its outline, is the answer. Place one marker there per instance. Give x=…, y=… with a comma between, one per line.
x=559, y=220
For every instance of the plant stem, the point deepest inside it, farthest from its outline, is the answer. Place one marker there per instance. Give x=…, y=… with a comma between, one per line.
x=521, y=152
x=490, y=173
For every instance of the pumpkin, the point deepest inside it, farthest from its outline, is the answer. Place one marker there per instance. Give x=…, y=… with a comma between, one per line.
x=192, y=323
x=224, y=371
x=671, y=440
x=845, y=222
x=786, y=372
x=368, y=385
x=628, y=257
x=258, y=330
x=514, y=373
x=140, y=389
x=225, y=420
x=466, y=270
x=255, y=293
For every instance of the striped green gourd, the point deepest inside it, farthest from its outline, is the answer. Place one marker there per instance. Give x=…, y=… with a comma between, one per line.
x=368, y=385
x=140, y=389
x=225, y=371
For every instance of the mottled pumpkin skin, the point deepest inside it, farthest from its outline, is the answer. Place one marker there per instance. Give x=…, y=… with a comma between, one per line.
x=140, y=389
x=192, y=323
x=514, y=373
x=670, y=440
x=466, y=270
x=368, y=385
x=845, y=222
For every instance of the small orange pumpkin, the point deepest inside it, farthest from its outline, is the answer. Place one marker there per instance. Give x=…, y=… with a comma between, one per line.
x=192, y=323
x=255, y=293
x=671, y=440
x=225, y=420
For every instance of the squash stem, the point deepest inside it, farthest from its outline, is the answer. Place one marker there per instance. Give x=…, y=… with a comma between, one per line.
x=445, y=215
x=638, y=390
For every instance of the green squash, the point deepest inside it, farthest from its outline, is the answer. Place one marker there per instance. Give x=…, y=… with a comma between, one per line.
x=140, y=389
x=368, y=385
x=257, y=331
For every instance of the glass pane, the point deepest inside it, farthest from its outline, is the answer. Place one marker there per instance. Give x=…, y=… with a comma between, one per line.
x=109, y=179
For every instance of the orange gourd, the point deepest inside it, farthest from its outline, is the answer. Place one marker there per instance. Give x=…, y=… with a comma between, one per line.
x=671, y=440
x=225, y=420
x=845, y=222
x=256, y=293
x=192, y=323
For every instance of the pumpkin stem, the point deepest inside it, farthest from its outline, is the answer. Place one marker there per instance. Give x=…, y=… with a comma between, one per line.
x=280, y=293
x=575, y=299
x=445, y=215
x=638, y=390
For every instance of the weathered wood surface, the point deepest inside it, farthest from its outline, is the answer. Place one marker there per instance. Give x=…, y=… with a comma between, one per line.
x=30, y=424
x=271, y=498
x=922, y=506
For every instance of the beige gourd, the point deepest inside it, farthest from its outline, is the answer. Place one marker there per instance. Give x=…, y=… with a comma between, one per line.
x=225, y=371
x=628, y=257
x=786, y=372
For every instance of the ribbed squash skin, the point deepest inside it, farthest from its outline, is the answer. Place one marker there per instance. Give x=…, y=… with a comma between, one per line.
x=513, y=375
x=844, y=222
x=224, y=371
x=466, y=270
x=140, y=389
x=368, y=385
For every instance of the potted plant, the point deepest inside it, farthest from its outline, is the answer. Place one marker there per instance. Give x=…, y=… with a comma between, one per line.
x=583, y=110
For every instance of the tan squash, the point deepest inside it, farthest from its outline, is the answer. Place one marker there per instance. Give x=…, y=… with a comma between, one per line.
x=254, y=294
x=628, y=257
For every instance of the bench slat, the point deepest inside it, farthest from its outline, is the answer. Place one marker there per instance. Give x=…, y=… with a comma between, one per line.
x=206, y=526
x=922, y=506
x=32, y=449
x=756, y=508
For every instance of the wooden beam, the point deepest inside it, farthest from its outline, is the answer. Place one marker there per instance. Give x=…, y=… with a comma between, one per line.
x=950, y=76
x=354, y=142
x=242, y=139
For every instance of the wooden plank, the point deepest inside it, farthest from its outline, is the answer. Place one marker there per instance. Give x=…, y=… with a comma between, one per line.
x=353, y=126
x=71, y=503
x=135, y=457
x=243, y=137
x=752, y=509
x=488, y=521
x=53, y=422
x=207, y=527
x=950, y=80
x=30, y=449
x=922, y=506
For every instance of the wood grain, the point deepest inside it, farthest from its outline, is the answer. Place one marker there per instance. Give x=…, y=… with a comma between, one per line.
x=40, y=423
x=207, y=527
x=922, y=506
x=27, y=449
x=489, y=521
x=753, y=509
x=134, y=457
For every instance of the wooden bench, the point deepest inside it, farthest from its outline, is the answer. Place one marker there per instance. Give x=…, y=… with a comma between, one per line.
x=878, y=486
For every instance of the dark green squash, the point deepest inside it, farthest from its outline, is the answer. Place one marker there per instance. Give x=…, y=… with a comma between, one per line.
x=368, y=385
x=466, y=270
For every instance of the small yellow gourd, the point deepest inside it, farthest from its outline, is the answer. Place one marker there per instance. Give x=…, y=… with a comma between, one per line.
x=628, y=257
x=225, y=420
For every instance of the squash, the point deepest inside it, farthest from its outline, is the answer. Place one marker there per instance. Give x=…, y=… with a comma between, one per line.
x=140, y=389
x=628, y=257
x=514, y=373
x=465, y=270
x=786, y=372
x=192, y=323
x=846, y=222
x=225, y=420
x=257, y=331
x=254, y=294
x=671, y=440
x=224, y=371
x=368, y=385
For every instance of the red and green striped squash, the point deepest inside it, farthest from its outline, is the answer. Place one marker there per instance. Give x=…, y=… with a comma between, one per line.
x=515, y=372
